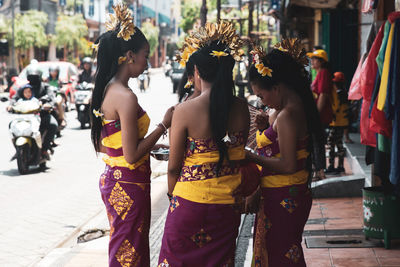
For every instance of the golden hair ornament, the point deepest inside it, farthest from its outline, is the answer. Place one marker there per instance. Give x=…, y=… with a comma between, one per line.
x=222, y=31
x=293, y=47
x=122, y=20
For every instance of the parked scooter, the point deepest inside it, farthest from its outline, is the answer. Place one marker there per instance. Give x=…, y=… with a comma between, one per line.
x=25, y=134
x=83, y=94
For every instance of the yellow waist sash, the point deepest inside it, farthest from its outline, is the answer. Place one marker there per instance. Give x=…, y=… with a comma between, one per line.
x=216, y=190
x=121, y=162
x=281, y=180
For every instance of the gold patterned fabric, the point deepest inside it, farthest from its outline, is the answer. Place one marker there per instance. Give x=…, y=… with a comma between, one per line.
x=120, y=200
x=127, y=255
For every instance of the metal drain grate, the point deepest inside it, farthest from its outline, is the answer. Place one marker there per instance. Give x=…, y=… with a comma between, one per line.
x=341, y=242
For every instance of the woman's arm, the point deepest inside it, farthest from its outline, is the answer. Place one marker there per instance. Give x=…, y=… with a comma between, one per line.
x=134, y=150
x=287, y=138
x=177, y=140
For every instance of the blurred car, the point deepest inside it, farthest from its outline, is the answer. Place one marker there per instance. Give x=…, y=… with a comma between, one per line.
x=68, y=77
x=176, y=75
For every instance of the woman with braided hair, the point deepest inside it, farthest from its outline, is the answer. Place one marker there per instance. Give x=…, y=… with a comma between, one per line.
x=285, y=144
x=207, y=139
x=119, y=126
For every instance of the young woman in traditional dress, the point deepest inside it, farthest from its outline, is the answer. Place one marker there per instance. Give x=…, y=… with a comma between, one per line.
x=119, y=126
x=207, y=140
x=284, y=142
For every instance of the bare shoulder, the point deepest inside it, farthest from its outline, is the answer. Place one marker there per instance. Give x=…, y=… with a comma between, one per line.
x=285, y=116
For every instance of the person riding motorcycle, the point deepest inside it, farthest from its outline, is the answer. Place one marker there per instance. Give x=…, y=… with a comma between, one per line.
x=53, y=79
x=86, y=75
x=48, y=120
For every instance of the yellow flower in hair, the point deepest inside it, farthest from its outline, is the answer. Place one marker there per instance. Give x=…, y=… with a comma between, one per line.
x=188, y=84
x=121, y=60
x=97, y=113
x=95, y=46
x=266, y=71
x=218, y=54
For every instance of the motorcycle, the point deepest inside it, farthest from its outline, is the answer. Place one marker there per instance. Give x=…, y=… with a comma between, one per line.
x=83, y=94
x=25, y=135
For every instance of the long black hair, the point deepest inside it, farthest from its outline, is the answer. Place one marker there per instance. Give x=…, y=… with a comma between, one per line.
x=110, y=48
x=288, y=71
x=217, y=71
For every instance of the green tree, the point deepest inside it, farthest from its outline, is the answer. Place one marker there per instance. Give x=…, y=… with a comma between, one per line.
x=70, y=32
x=151, y=32
x=30, y=30
x=190, y=14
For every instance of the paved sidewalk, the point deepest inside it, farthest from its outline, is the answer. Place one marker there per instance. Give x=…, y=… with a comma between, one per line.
x=335, y=218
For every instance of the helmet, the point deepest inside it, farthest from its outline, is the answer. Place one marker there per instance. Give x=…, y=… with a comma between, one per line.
x=33, y=70
x=338, y=77
x=320, y=53
x=54, y=68
x=86, y=60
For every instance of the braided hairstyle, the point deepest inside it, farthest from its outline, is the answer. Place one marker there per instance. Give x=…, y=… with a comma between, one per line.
x=287, y=70
x=110, y=48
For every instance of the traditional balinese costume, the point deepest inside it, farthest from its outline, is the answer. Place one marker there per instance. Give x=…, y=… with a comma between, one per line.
x=125, y=187
x=286, y=200
x=125, y=190
x=202, y=221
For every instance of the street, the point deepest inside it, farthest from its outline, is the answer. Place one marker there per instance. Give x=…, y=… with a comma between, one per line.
x=40, y=210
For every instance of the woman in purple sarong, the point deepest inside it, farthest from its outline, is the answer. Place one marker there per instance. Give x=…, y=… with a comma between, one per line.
x=207, y=139
x=284, y=143
x=119, y=126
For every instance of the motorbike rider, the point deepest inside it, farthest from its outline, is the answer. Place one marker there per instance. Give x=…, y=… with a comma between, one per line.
x=48, y=122
x=53, y=79
x=87, y=74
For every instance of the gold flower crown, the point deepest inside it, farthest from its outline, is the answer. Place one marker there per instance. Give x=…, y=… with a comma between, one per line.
x=292, y=46
x=223, y=31
x=122, y=18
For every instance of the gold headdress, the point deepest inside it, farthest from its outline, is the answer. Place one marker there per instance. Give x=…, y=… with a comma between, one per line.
x=122, y=18
x=293, y=47
x=258, y=55
x=222, y=31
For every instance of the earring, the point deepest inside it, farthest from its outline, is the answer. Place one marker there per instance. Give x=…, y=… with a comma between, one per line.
x=130, y=61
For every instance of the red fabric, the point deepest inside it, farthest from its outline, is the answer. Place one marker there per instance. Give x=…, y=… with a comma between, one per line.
x=378, y=122
x=367, y=83
x=367, y=137
x=323, y=85
x=393, y=16
x=355, y=89
x=250, y=178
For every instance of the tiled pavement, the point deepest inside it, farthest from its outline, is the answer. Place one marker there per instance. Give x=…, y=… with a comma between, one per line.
x=345, y=213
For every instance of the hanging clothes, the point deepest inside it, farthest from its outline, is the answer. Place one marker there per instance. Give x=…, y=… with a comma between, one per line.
x=367, y=83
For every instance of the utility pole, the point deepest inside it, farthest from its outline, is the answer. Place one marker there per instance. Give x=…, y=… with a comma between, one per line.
x=218, y=10
x=203, y=13
x=12, y=36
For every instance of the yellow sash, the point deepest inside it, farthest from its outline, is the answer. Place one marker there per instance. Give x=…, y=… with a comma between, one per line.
x=216, y=190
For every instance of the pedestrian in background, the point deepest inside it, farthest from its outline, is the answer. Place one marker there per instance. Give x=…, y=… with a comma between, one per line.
x=322, y=91
x=340, y=122
x=207, y=140
x=119, y=126
x=285, y=145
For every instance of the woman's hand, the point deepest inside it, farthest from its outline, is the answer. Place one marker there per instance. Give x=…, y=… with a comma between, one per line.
x=168, y=117
x=262, y=121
